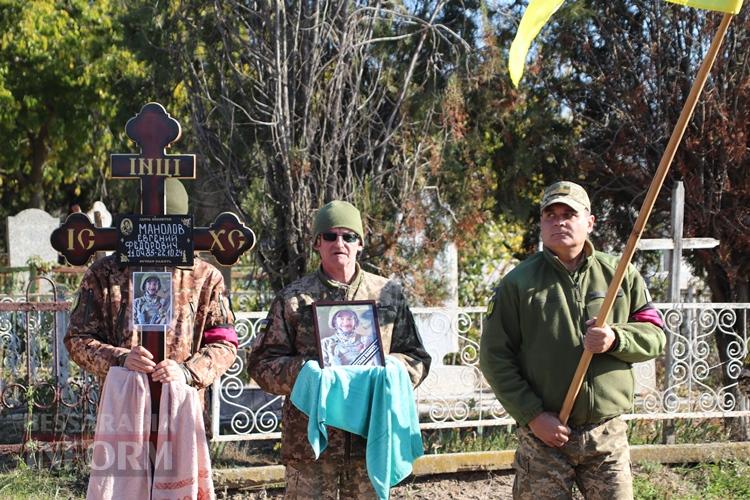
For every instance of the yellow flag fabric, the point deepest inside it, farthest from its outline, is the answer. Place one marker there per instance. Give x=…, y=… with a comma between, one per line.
x=536, y=15
x=728, y=6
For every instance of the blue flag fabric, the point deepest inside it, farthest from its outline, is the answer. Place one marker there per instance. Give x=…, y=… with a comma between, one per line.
x=374, y=402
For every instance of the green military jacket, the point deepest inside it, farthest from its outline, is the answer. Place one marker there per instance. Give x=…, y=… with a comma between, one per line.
x=288, y=340
x=533, y=337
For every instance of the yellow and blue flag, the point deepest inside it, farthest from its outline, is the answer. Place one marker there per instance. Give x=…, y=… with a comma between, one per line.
x=538, y=13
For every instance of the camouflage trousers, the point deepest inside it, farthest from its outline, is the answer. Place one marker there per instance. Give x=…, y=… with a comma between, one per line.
x=596, y=458
x=328, y=481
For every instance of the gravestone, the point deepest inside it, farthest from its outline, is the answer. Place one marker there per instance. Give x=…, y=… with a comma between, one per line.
x=445, y=384
x=105, y=218
x=29, y=235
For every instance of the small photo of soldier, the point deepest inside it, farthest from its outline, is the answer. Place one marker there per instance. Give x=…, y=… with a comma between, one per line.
x=153, y=298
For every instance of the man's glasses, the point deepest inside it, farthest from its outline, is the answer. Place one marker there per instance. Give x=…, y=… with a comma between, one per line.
x=347, y=237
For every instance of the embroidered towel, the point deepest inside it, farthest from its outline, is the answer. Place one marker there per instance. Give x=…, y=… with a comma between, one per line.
x=120, y=464
x=183, y=464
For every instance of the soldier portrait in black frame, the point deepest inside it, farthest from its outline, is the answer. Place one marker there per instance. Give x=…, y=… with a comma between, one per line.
x=348, y=333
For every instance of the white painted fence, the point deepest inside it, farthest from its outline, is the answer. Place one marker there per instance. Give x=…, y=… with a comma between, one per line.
x=455, y=393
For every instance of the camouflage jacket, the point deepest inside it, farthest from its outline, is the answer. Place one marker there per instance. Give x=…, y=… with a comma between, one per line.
x=287, y=341
x=101, y=332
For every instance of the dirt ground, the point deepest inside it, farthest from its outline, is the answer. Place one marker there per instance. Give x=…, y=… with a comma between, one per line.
x=468, y=485
x=464, y=486
x=483, y=485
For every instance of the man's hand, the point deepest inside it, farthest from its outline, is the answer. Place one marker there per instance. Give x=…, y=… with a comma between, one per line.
x=139, y=360
x=547, y=427
x=168, y=371
x=598, y=339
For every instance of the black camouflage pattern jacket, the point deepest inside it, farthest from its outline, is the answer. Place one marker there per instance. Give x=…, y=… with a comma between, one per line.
x=287, y=341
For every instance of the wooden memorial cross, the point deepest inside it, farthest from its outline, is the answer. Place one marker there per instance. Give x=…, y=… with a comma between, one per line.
x=77, y=239
x=227, y=238
x=153, y=129
x=675, y=245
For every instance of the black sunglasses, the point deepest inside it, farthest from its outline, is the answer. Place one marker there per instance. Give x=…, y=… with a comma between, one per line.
x=347, y=237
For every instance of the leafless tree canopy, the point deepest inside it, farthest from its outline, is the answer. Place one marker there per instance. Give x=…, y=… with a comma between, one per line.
x=305, y=102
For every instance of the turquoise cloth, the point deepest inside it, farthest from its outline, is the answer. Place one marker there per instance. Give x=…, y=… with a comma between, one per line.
x=374, y=402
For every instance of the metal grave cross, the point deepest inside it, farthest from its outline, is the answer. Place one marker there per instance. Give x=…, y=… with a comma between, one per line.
x=675, y=246
x=227, y=238
x=153, y=129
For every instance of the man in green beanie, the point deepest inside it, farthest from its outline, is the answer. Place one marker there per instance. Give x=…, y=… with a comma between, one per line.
x=288, y=340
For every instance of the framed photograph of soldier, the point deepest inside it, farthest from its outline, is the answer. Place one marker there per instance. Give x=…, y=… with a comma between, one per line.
x=348, y=333
x=152, y=304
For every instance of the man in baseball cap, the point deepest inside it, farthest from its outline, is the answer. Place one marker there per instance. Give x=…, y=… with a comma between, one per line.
x=568, y=193
x=566, y=222
x=537, y=326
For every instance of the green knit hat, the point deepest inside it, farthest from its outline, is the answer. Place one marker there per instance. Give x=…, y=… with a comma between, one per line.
x=177, y=198
x=338, y=213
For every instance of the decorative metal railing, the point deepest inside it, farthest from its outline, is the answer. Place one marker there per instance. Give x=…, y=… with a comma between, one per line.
x=706, y=350
x=43, y=395
x=694, y=380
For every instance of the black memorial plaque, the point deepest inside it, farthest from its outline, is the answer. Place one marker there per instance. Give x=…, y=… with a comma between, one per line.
x=155, y=240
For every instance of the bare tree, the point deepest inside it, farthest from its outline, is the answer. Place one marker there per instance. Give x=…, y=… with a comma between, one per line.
x=298, y=103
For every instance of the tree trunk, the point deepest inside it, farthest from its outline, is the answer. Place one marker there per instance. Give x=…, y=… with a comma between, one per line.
x=39, y=155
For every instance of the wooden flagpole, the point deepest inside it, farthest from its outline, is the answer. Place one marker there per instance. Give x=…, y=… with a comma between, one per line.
x=646, y=208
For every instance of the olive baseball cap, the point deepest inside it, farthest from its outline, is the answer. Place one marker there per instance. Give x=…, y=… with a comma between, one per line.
x=566, y=192
x=338, y=213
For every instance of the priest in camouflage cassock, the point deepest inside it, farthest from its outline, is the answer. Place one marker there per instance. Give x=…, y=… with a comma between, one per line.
x=201, y=343
x=288, y=340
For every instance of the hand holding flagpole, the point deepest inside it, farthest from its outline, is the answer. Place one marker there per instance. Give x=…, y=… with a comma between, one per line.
x=536, y=15
x=646, y=208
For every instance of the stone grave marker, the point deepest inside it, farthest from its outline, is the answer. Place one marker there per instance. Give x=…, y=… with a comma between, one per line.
x=28, y=235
